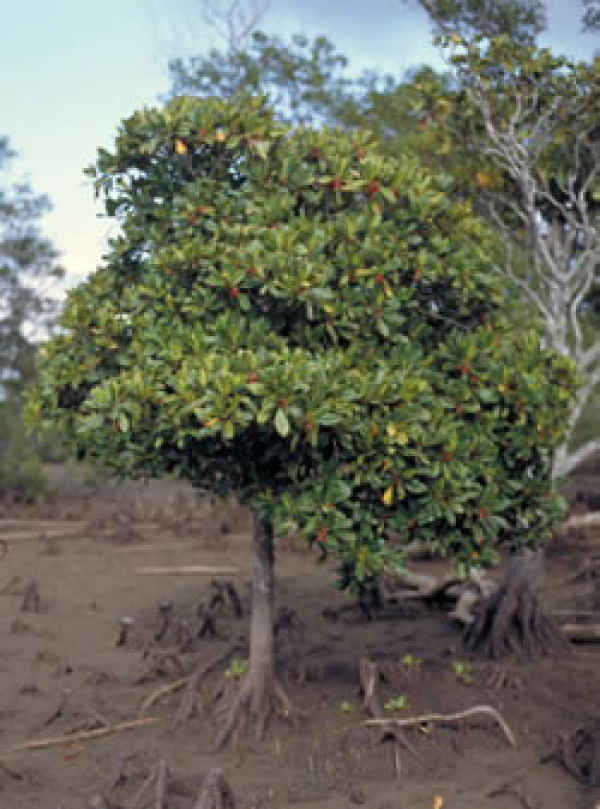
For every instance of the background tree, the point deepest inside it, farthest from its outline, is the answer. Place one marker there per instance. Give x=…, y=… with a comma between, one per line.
x=293, y=317
x=591, y=15
x=532, y=115
x=28, y=269
x=520, y=20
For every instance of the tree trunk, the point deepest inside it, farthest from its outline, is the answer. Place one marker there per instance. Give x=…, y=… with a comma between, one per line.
x=512, y=619
x=259, y=695
x=262, y=659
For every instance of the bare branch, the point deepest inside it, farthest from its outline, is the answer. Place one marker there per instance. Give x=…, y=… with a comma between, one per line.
x=590, y=357
x=573, y=460
x=235, y=23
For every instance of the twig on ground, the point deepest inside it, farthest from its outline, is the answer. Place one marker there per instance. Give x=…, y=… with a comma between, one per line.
x=81, y=736
x=369, y=677
x=425, y=719
x=186, y=570
x=191, y=680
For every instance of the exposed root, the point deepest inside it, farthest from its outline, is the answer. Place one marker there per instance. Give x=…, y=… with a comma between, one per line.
x=215, y=792
x=157, y=779
x=580, y=755
x=511, y=620
x=369, y=678
x=255, y=699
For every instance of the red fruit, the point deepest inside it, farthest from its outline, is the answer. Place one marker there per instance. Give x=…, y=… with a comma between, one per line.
x=417, y=274
x=447, y=456
x=321, y=535
x=336, y=184
x=252, y=378
x=234, y=292
x=284, y=401
x=379, y=278
x=372, y=189
x=251, y=271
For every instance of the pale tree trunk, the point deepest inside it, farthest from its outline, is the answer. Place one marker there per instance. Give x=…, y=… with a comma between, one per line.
x=262, y=658
x=259, y=695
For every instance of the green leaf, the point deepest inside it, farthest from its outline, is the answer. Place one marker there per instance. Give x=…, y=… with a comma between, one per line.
x=282, y=424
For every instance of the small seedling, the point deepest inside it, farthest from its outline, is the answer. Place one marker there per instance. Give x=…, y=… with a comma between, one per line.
x=346, y=707
x=396, y=704
x=237, y=668
x=410, y=661
x=462, y=671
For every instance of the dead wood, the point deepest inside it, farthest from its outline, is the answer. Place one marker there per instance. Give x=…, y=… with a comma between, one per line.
x=369, y=677
x=426, y=719
x=582, y=632
x=186, y=570
x=581, y=521
x=80, y=736
x=191, y=681
x=160, y=663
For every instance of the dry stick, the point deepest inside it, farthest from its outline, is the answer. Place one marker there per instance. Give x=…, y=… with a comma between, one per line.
x=163, y=691
x=186, y=570
x=177, y=685
x=582, y=633
x=451, y=717
x=80, y=736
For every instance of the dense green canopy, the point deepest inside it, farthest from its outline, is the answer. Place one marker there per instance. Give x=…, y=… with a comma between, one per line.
x=296, y=318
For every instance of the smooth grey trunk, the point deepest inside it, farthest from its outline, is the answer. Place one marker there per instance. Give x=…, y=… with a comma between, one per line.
x=261, y=628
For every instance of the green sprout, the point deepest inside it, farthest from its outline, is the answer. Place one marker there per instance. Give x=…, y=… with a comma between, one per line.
x=346, y=707
x=462, y=671
x=396, y=704
x=411, y=661
x=237, y=668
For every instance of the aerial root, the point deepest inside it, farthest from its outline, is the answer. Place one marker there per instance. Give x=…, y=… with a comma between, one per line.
x=255, y=699
x=511, y=619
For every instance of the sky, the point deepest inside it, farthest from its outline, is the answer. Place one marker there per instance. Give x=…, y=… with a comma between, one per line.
x=71, y=70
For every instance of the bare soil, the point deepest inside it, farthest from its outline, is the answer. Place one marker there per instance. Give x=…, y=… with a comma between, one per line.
x=72, y=570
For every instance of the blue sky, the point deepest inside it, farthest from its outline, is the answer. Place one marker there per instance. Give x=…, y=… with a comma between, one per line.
x=71, y=70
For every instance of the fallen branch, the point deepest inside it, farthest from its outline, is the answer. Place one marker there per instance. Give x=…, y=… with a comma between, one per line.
x=81, y=736
x=452, y=717
x=187, y=570
x=369, y=678
x=582, y=633
x=582, y=521
x=191, y=680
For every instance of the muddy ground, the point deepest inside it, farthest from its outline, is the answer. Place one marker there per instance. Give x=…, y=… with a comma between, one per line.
x=73, y=568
